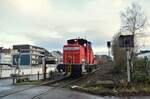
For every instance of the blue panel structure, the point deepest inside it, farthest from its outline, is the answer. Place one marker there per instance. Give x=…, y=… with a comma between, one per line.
x=25, y=59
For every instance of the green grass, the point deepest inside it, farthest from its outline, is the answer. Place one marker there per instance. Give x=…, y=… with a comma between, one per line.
x=34, y=82
x=133, y=89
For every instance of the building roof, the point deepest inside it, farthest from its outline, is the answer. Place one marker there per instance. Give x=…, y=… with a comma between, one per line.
x=4, y=50
x=143, y=52
x=26, y=46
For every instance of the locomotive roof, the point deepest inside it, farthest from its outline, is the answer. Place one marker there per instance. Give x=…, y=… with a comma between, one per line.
x=80, y=41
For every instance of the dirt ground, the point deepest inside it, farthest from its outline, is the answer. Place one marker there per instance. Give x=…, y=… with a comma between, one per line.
x=104, y=74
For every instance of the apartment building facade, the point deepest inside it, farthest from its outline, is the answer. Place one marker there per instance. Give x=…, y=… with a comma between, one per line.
x=27, y=55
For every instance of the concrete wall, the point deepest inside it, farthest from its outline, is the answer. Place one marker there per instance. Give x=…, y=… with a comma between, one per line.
x=26, y=70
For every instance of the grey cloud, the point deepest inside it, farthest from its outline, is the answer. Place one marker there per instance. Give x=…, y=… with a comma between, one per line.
x=51, y=24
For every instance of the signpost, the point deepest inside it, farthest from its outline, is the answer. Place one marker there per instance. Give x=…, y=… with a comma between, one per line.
x=127, y=42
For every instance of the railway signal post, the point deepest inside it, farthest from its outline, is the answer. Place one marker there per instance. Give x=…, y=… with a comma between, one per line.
x=127, y=42
x=108, y=45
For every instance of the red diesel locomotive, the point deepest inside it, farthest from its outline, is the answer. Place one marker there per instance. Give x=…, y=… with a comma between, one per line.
x=78, y=57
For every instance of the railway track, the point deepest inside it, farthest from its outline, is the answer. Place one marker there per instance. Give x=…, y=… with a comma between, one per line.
x=64, y=83
x=59, y=83
x=31, y=87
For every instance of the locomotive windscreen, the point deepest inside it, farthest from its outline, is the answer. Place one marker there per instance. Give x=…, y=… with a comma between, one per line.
x=71, y=41
x=79, y=41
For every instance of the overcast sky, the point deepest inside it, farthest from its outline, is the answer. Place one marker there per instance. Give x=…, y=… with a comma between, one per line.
x=49, y=23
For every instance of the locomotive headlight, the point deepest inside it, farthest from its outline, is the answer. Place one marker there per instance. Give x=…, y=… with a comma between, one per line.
x=56, y=59
x=83, y=60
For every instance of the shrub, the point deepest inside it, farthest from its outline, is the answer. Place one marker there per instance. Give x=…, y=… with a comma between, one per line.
x=139, y=77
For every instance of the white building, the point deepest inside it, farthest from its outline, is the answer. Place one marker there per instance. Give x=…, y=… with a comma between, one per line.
x=144, y=54
x=5, y=62
x=5, y=56
x=58, y=55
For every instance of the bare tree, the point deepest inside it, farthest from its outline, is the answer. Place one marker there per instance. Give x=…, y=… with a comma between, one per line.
x=133, y=20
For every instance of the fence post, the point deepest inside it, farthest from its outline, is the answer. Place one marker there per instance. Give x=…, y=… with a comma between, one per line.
x=38, y=74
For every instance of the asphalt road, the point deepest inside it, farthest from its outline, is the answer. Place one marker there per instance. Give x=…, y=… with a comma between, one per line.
x=9, y=91
x=51, y=94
